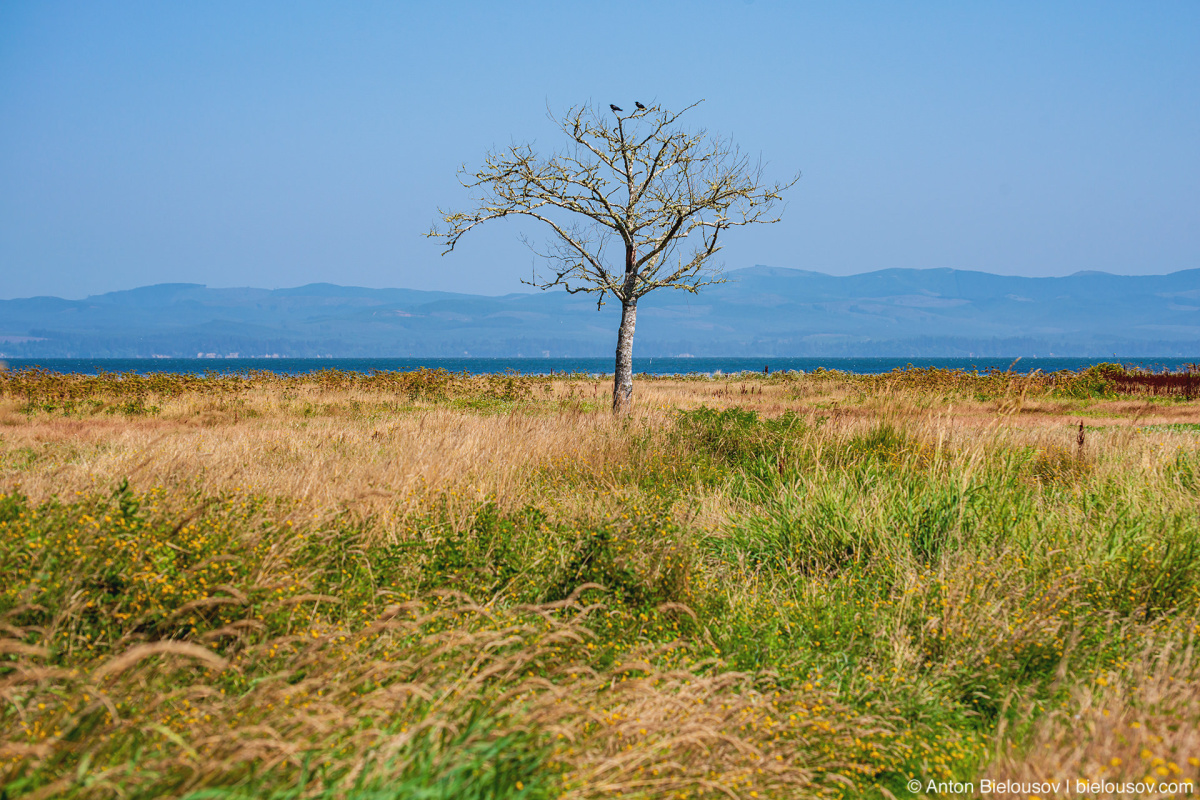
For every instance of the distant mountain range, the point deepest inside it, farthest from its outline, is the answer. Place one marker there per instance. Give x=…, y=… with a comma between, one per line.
x=761, y=311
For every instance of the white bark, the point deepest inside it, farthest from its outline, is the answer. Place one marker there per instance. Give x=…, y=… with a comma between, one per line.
x=623, y=371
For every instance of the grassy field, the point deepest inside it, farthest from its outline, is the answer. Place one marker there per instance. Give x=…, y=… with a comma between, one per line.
x=427, y=585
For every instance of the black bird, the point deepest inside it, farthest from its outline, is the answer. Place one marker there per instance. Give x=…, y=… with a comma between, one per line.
x=615, y=108
x=639, y=105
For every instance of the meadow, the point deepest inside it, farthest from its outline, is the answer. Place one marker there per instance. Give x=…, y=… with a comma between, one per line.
x=429, y=585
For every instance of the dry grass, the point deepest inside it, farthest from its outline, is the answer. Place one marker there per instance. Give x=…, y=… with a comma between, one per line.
x=442, y=679
x=1142, y=725
x=919, y=576
x=390, y=464
x=350, y=447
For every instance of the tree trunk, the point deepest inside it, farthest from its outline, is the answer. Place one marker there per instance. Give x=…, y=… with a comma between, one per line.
x=623, y=373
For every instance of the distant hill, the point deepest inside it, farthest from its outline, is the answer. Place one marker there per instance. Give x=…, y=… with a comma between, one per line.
x=758, y=311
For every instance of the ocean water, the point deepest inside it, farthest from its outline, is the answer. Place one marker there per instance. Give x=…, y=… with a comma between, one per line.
x=591, y=366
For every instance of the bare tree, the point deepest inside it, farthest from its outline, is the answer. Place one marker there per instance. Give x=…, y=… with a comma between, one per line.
x=656, y=193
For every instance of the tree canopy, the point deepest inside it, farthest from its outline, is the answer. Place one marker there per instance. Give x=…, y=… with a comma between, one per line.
x=634, y=202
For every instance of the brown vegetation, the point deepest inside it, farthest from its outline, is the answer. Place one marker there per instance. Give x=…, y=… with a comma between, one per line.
x=789, y=586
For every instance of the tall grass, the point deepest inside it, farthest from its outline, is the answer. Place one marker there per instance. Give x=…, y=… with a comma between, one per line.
x=441, y=586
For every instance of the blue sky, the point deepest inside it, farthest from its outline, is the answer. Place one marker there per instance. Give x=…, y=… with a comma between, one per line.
x=277, y=144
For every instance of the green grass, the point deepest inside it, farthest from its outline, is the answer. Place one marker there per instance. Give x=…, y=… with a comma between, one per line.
x=932, y=597
x=1176, y=427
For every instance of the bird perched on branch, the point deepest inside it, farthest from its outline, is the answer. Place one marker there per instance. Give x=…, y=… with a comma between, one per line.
x=615, y=108
x=639, y=105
